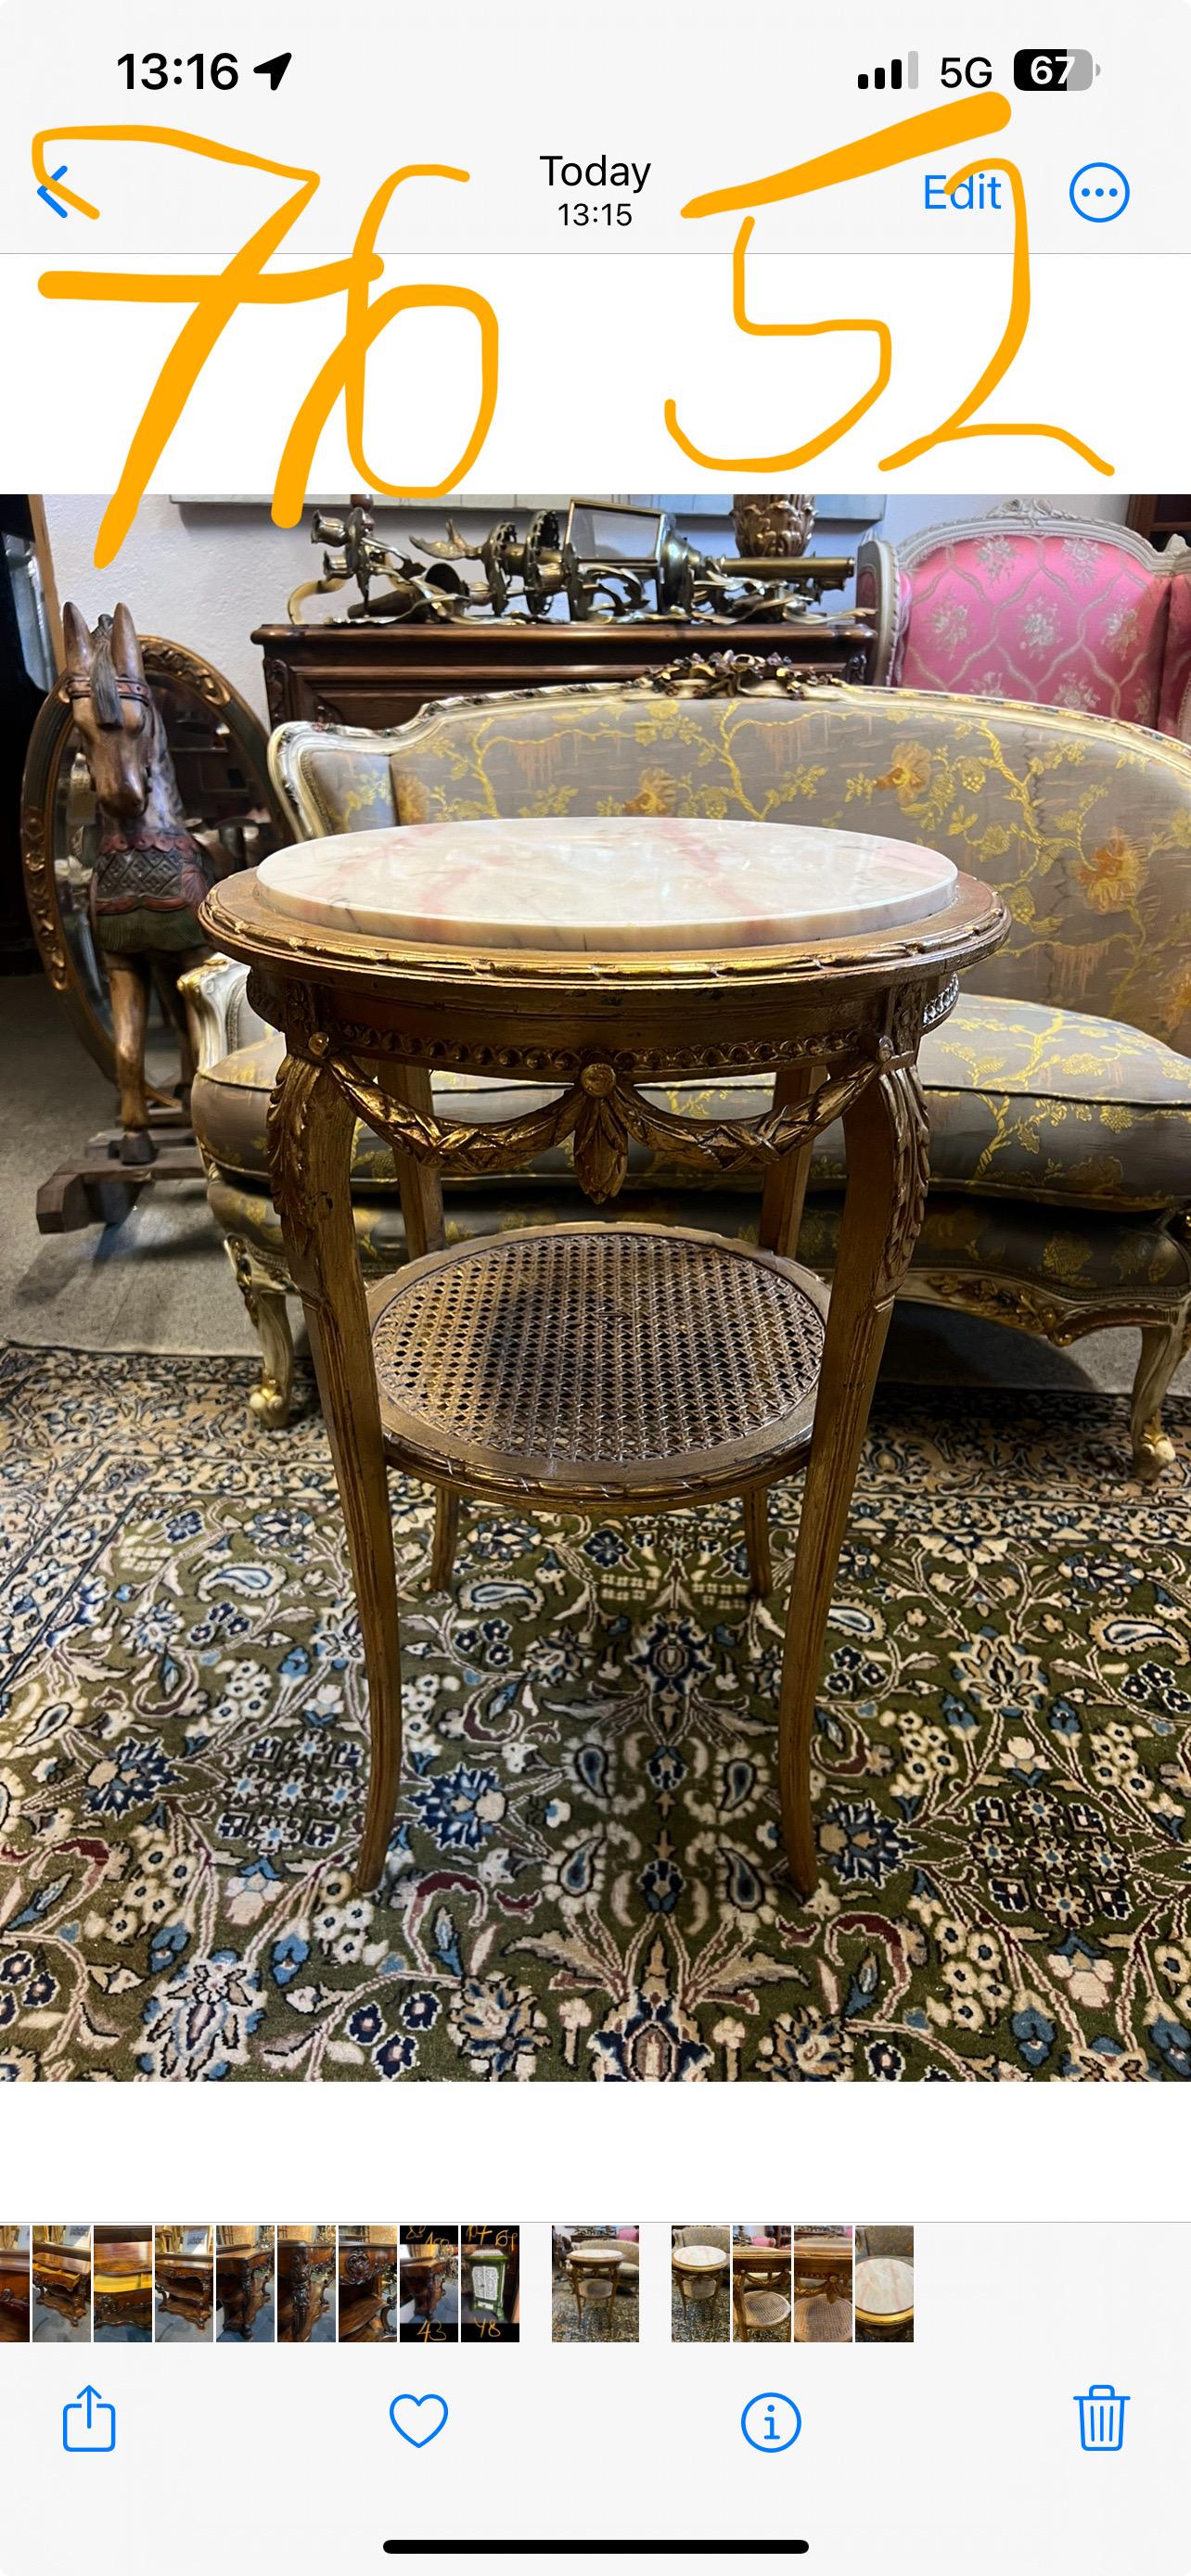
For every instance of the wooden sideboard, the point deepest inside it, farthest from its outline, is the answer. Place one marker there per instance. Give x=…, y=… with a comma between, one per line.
x=186, y=2287
x=123, y=2280
x=305, y=2286
x=366, y=2270
x=243, y=2286
x=62, y=2279
x=14, y=2294
x=357, y=674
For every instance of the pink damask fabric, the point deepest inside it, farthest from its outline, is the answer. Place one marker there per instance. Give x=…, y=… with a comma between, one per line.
x=1067, y=621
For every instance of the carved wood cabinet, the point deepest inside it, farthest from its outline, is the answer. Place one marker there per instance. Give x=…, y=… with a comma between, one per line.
x=367, y=2281
x=123, y=2279
x=243, y=2286
x=305, y=2285
x=357, y=674
x=186, y=2287
x=62, y=2278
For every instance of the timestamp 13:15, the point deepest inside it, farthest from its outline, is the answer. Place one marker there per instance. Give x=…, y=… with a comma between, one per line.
x=576, y=212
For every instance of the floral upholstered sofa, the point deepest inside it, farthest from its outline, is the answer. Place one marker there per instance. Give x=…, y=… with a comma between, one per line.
x=1059, y=1090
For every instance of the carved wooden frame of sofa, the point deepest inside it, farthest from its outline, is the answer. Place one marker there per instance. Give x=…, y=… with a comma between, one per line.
x=1059, y=1090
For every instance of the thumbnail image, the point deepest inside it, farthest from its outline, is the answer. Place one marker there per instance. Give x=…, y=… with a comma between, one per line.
x=245, y=2306
x=884, y=2285
x=429, y=2260
x=762, y=2290
x=14, y=2284
x=490, y=2284
x=122, y=2303
x=183, y=2284
x=369, y=2283
x=700, y=2264
x=306, y=2284
x=822, y=2284
x=595, y=2281
x=61, y=2305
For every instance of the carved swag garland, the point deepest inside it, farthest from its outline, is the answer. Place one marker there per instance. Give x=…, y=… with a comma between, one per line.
x=602, y=1109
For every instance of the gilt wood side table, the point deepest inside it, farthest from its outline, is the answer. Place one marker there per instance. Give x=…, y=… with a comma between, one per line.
x=885, y=2295
x=823, y=2267
x=621, y=1367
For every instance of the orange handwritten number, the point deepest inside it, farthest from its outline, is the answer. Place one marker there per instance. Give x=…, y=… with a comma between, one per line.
x=215, y=298
x=938, y=128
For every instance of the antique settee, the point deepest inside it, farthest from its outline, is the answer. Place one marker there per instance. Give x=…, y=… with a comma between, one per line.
x=1059, y=1090
x=1028, y=602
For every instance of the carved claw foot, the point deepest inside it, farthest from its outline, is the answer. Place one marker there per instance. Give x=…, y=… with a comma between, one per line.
x=269, y=1403
x=1153, y=1451
x=1162, y=1347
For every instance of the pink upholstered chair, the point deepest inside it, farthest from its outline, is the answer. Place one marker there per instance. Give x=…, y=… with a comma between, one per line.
x=1029, y=603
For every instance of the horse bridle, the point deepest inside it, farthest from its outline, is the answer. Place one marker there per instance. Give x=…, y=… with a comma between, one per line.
x=135, y=689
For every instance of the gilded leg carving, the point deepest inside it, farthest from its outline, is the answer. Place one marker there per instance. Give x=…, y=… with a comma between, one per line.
x=756, y=1534
x=1162, y=1347
x=887, y=1142
x=265, y=1301
x=310, y=1138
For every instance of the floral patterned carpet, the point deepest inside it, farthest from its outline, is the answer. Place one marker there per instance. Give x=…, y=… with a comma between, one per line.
x=584, y=1882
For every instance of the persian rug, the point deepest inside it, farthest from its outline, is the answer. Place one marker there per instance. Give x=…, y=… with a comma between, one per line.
x=620, y=2324
x=585, y=1879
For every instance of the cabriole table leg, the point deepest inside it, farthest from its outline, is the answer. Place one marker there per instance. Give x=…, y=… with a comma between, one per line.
x=311, y=1124
x=887, y=1139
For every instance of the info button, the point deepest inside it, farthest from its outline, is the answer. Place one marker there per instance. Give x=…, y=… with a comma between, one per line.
x=771, y=2422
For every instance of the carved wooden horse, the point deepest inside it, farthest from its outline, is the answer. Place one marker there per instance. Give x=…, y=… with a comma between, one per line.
x=151, y=873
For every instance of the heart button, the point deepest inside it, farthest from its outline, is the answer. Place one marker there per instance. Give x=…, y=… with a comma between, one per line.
x=407, y=2418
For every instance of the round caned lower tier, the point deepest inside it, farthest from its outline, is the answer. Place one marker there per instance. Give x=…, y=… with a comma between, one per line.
x=616, y=1364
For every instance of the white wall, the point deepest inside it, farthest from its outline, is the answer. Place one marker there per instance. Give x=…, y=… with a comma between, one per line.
x=206, y=573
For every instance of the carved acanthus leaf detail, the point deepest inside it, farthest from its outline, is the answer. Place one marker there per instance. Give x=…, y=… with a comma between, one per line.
x=911, y=1137
x=285, y=1125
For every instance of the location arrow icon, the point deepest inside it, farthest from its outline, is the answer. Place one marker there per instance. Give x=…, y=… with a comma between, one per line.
x=276, y=67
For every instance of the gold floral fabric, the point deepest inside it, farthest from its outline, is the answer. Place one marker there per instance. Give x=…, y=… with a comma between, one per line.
x=1083, y=824
x=347, y=785
x=1054, y=1105
x=1023, y=1100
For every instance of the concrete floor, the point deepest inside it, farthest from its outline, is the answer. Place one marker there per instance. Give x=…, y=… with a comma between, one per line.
x=48, y=2325
x=161, y=1282
x=170, y=2329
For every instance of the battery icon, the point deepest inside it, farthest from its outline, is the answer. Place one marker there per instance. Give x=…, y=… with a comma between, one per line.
x=1058, y=68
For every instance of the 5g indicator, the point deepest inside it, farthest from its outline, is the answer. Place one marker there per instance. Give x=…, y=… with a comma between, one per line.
x=1062, y=68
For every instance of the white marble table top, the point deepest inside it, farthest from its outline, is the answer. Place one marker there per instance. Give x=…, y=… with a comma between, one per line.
x=884, y=2286
x=699, y=2258
x=607, y=884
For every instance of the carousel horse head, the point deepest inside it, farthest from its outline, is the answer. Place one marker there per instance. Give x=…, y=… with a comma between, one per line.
x=113, y=708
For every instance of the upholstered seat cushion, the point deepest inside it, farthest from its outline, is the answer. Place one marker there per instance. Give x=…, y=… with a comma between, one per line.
x=999, y=1241
x=1025, y=1101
